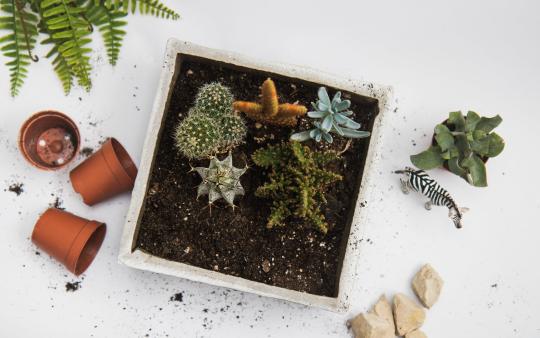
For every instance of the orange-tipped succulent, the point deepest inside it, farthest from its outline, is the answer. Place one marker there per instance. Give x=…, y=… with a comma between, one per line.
x=269, y=111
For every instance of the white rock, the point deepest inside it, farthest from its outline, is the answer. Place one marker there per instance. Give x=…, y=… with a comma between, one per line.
x=408, y=315
x=416, y=334
x=383, y=309
x=427, y=284
x=369, y=325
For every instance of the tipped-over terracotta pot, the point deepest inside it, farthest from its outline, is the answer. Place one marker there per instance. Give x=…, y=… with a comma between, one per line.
x=107, y=173
x=49, y=140
x=72, y=240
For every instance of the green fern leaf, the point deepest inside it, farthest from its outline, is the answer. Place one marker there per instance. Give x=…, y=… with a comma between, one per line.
x=60, y=66
x=18, y=44
x=150, y=7
x=69, y=31
x=110, y=23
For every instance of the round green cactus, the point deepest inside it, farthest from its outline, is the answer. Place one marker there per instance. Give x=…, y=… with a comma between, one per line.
x=233, y=131
x=214, y=99
x=198, y=136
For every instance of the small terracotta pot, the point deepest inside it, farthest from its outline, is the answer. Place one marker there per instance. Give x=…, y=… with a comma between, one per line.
x=41, y=141
x=107, y=173
x=72, y=240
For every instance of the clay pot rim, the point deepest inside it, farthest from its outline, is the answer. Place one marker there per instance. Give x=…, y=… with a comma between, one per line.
x=34, y=118
x=92, y=232
x=128, y=173
x=75, y=253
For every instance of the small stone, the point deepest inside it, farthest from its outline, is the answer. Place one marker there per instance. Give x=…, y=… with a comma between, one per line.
x=383, y=309
x=416, y=334
x=369, y=325
x=408, y=315
x=266, y=266
x=427, y=285
x=258, y=125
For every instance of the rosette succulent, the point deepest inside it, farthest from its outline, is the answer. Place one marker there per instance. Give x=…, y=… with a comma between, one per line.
x=331, y=117
x=463, y=144
x=221, y=180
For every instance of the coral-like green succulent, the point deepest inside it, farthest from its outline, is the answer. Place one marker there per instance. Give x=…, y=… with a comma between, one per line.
x=198, y=136
x=214, y=99
x=220, y=180
x=463, y=144
x=331, y=117
x=297, y=182
x=233, y=131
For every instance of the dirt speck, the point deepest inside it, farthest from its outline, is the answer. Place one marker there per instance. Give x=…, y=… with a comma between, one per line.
x=177, y=297
x=73, y=286
x=87, y=151
x=16, y=188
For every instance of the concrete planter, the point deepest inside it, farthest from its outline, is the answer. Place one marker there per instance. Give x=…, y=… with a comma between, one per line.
x=136, y=258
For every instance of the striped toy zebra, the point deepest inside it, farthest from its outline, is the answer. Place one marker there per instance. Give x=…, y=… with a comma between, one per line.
x=419, y=180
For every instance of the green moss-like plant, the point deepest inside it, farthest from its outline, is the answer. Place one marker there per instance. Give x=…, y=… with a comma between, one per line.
x=462, y=145
x=221, y=180
x=297, y=182
x=198, y=136
x=215, y=100
x=66, y=26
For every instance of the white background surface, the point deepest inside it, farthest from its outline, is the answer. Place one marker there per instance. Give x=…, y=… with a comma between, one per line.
x=439, y=57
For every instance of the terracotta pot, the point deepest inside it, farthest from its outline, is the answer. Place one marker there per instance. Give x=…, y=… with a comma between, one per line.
x=107, y=173
x=72, y=240
x=49, y=140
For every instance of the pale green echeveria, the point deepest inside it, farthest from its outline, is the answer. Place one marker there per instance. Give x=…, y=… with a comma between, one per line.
x=463, y=147
x=331, y=117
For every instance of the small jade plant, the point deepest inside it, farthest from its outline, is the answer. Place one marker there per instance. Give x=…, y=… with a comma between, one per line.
x=297, y=182
x=211, y=126
x=330, y=117
x=221, y=180
x=462, y=144
x=269, y=111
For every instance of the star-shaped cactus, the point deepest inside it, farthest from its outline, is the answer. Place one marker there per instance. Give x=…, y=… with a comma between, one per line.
x=220, y=180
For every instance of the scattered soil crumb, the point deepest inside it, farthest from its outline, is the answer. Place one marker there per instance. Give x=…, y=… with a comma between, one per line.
x=17, y=188
x=38, y=253
x=266, y=266
x=494, y=285
x=57, y=204
x=73, y=286
x=87, y=151
x=177, y=297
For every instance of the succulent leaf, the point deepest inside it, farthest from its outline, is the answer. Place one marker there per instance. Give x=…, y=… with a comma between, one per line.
x=487, y=124
x=476, y=171
x=471, y=121
x=428, y=159
x=457, y=119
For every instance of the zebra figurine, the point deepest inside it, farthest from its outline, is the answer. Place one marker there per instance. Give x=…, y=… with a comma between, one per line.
x=418, y=180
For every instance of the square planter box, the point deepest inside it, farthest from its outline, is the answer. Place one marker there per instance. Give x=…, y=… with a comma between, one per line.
x=130, y=255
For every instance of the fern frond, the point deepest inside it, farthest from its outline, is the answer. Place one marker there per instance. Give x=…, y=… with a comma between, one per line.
x=69, y=31
x=60, y=66
x=19, y=41
x=110, y=23
x=151, y=7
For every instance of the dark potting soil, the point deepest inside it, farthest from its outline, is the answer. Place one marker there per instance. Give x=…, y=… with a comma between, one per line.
x=73, y=286
x=16, y=188
x=177, y=226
